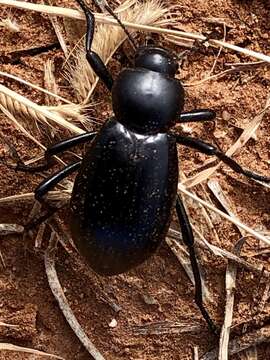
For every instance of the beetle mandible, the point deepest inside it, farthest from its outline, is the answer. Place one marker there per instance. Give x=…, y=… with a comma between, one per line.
x=126, y=187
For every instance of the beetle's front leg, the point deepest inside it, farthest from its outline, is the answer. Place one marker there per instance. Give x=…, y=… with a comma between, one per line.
x=188, y=239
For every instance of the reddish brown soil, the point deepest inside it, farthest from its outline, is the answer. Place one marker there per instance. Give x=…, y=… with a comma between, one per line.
x=25, y=297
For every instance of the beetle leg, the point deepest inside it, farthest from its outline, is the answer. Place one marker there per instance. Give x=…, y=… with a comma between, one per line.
x=209, y=149
x=47, y=184
x=92, y=57
x=188, y=239
x=50, y=152
x=44, y=187
x=196, y=116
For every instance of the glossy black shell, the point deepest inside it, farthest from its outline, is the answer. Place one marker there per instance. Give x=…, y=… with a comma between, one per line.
x=122, y=197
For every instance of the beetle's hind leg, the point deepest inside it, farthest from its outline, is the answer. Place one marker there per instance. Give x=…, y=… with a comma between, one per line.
x=188, y=239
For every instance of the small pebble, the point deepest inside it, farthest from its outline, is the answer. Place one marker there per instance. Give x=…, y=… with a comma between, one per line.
x=113, y=323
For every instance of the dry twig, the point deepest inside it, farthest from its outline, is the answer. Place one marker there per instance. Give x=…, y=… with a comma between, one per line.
x=65, y=12
x=242, y=343
x=230, y=289
x=62, y=301
x=15, y=348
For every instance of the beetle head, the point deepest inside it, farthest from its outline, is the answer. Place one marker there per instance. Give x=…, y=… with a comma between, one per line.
x=156, y=59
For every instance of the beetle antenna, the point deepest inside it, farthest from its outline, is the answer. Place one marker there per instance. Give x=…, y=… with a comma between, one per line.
x=104, y=5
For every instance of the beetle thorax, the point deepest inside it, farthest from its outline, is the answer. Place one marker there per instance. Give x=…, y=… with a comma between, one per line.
x=147, y=101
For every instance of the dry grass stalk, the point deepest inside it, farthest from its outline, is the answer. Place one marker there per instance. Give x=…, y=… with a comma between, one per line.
x=39, y=236
x=52, y=195
x=8, y=325
x=243, y=342
x=62, y=301
x=165, y=327
x=195, y=353
x=249, y=354
x=20, y=127
x=56, y=26
x=21, y=349
x=217, y=251
x=27, y=133
x=230, y=281
x=34, y=86
x=77, y=113
x=65, y=12
x=7, y=229
x=18, y=104
x=50, y=82
x=219, y=194
x=241, y=141
x=10, y=25
x=235, y=68
x=105, y=43
x=225, y=216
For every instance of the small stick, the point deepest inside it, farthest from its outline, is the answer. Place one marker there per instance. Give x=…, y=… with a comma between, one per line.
x=34, y=86
x=8, y=229
x=59, y=295
x=165, y=327
x=221, y=213
x=195, y=353
x=75, y=14
x=230, y=288
x=11, y=347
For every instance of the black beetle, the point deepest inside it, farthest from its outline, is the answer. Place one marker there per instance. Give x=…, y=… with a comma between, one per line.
x=126, y=187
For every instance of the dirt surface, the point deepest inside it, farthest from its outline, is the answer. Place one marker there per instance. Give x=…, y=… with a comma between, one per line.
x=159, y=290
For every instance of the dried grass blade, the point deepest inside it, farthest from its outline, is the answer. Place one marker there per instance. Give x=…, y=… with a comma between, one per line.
x=7, y=229
x=52, y=195
x=219, y=194
x=250, y=354
x=11, y=347
x=63, y=304
x=221, y=213
x=230, y=281
x=195, y=353
x=241, y=141
x=165, y=327
x=20, y=127
x=243, y=342
x=49, y=81
x=58, y=11
x=8, y=325
x=40, y=112
x=57, y=29
x=34, y=86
